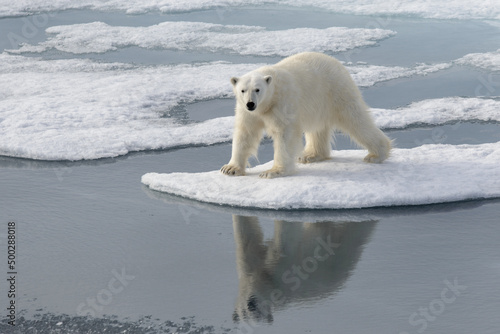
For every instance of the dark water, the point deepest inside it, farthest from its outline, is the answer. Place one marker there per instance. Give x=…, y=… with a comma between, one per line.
x=97, y=252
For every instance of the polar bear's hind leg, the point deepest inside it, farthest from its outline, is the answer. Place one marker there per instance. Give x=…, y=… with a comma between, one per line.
x=360, y=126
x=317, y=146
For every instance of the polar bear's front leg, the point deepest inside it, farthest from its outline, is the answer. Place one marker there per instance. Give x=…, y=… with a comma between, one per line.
x=286, y=147
x=246, y=141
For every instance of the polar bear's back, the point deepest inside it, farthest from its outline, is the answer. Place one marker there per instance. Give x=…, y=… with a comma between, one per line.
x=322, y=86
x=317, y=70
x=310, y=60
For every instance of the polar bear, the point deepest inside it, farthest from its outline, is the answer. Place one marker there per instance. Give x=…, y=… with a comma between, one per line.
x=308, y=93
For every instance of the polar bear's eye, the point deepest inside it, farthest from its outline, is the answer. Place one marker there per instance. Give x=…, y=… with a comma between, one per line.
x=242, y=90
x=257, y=90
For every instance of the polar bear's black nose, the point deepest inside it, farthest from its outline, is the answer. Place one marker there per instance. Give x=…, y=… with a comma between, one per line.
x=251, y=106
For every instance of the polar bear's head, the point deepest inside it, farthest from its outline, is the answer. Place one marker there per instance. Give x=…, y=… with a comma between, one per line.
x=252, y=90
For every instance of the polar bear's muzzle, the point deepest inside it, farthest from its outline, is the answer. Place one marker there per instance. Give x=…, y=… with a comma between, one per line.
x=251, y=106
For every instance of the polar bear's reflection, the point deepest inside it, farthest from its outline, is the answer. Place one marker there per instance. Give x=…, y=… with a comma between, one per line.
x=303, y=262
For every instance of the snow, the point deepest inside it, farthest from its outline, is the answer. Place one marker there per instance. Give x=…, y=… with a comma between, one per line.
x=438, y=111
x=81, y=109
x=369, y=75
x=487, y=61
x=437, y=9
x=422, y=175
x=27, y=7
x=99, y=37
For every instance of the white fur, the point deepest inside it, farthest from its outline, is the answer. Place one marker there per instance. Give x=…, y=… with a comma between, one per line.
x=308, y=93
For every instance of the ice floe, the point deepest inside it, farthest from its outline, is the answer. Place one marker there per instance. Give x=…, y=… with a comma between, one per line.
x=423, y=175
x=439, y=9
x=438, y=111
x=369, y=75
x=76, y=109
x=187, y=207
x=99, y=37
x=27, y=7
x=487, y=60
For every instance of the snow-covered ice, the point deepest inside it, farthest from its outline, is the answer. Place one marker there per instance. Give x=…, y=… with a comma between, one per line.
x=422, y=175
x=439, y=111
x=369, y=75
x=77, y=109
x=438, y=9
x=488, y=60
x=99, y=37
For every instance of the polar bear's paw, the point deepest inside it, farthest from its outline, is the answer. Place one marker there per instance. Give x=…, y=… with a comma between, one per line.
x=272, y=173
x=232, y=170
x=372, y=158
x=310, y=158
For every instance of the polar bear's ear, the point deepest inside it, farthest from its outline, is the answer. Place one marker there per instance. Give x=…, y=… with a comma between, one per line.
x=268, y=79
x=234, y=80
